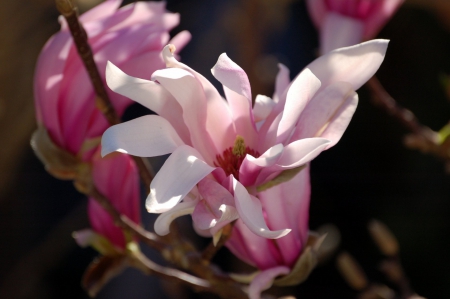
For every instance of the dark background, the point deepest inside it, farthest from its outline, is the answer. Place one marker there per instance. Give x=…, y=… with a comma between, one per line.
x=369, y=174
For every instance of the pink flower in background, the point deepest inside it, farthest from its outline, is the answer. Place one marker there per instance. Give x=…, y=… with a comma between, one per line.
x=131, y=37
x=345, y=23
x=223, y=151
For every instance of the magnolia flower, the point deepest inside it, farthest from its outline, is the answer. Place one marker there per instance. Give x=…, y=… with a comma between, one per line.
x=131, y=37
x=345, y=23
x=220, y=159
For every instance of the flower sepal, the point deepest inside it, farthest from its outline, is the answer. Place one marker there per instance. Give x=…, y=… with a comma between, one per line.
x=282, y=177
x=306, y=262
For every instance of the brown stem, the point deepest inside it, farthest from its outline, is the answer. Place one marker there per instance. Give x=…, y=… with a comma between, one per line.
x=69, y=11
x=212, y=249
x=382, y=98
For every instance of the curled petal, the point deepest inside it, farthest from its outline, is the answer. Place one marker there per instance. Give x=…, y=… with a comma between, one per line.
x=232, y=76
x=179, y=174
x=251, y=166
x=229, y=214
x=250, y=211
x=355, y=64
x=208, y=210
x=162, y=223
x=146, y=136
x=264, y=280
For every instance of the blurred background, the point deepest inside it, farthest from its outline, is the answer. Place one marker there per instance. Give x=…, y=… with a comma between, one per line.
x=369, y=174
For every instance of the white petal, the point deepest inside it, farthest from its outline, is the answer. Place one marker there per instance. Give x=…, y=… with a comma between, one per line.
x=321, y=109
x=281, y=82
x=264, y=280
x=179, y=174
x=250, y=211
x=162, y=223
x=149, y=94
x=340, y=120
x=355, y=64
x=232, y=76
x=146, y=136
x=299, y=94
x=262, y=108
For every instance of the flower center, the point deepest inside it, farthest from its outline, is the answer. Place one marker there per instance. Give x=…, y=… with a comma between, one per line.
x=231, y=159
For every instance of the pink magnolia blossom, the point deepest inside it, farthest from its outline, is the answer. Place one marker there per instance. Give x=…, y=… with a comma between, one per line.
x=345, y=23
x=131, y=37
x=216, y=165
x=223, y=151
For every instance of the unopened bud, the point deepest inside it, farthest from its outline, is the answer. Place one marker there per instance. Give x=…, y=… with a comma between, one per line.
x=65, y=7
x=384, y=238
x=351, y=271
x=392, y=269
x=378, y=292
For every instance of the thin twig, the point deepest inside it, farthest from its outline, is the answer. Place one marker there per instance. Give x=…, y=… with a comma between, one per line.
x=69, y=11
x=212, y=249
x=382, y=98
x=123, y=221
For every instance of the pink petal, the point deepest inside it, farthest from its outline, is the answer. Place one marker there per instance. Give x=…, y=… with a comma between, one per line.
x=162, y=223
x=301, y=91
x=146, y=136
x=250, y=211
x=290, y=209
x=251, y=248
x=219, y=122
x=181, y=39
x=355, y=64
x=340, y=31
x=241, y=111
x=264, y=280
x=190, y=95
x=179, y=174
x=376, y=20
x=317, y=11
x=319, y=111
